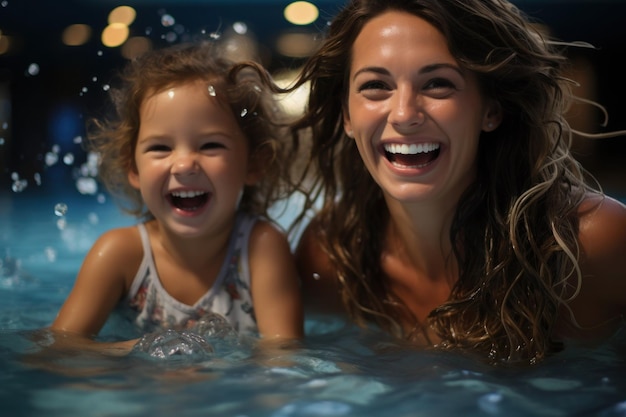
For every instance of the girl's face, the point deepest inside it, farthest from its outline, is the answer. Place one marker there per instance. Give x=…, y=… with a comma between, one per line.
x=192, y=159
x=415, y=115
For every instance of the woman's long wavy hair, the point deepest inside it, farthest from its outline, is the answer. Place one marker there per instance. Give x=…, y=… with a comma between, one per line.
x=245, y=89
x=514, y=233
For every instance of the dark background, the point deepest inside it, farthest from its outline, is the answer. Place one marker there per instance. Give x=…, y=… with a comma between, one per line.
x=48, y=109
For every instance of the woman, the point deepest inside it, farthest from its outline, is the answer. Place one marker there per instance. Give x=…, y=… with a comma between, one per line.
x=453, y=212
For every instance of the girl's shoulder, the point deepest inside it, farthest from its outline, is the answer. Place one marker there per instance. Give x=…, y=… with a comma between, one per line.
x=122, y=244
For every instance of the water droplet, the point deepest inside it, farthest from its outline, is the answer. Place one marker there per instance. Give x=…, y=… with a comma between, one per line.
x=51, y=158
x=50, y=253
x=244, y=112
x=19, y=186
x=167, y=20
x=33, y=69
x=240, y=28
x=316, y=276
x=215, y=35
x=1, y=141
x=87, y=185
x=106, y=87
x=68, y=159
x=212, y=91
x=37, y=177
x=78, y=139
x=60, y=209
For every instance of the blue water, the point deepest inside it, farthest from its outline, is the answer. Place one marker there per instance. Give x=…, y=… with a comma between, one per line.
x=339, y=370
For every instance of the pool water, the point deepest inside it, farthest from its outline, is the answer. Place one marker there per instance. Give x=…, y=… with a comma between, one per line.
x=338, y=370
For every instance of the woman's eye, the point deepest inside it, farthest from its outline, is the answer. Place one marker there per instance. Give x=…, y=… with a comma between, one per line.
x=439, y=85
x=373, y=85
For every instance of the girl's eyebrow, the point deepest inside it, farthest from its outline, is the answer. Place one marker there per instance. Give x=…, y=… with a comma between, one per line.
x=424, y=70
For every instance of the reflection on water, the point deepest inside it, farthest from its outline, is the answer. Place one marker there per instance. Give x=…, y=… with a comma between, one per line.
x=339, y=370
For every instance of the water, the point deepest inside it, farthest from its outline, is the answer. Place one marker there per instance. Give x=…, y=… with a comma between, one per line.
x=339, y=370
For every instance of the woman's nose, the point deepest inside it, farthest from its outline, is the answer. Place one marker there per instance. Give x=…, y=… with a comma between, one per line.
x=406, y=111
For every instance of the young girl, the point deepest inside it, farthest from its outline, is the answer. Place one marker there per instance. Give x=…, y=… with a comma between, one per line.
x=193, y=152
x=454, y=213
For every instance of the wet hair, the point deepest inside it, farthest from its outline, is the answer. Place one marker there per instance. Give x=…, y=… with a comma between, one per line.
x=514, y=232
x=243, y=88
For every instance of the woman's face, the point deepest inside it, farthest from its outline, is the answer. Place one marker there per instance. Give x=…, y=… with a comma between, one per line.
x=415, y=114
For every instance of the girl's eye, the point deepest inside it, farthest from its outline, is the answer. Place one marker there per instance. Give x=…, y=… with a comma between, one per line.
x=212, y=145
x=158, y=148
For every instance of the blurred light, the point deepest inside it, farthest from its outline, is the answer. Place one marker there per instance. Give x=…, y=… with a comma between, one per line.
x=76, y=35
x=135, y=46
x=5, y=44
x=122, y=14
x=114, y=35
x=301, y=13
x=296, y=45
x=294, y=103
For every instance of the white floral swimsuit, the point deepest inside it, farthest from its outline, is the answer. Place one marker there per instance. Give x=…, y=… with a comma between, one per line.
x=151, y=308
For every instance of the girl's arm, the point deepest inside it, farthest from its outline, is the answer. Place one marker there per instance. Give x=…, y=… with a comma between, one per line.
x=274, y=284
x=103, y=280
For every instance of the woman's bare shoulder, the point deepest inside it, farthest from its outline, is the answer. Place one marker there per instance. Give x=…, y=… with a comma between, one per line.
x=320, y=286
x=602, y=226
x=602, y=239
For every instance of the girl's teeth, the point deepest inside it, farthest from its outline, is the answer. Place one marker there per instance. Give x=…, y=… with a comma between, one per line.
x=412, y=149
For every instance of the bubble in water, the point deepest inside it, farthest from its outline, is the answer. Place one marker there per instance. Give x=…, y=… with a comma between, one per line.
x=215, y=35
x=87, y=185
x=244, y=112
x=106, y=87
x=490, y=403
x=78, y=139
x=60, y=209
x=99, y=53
x=4, y=3
x=33, y=69
x=172, y=344
x=101, y=198
x=68, y=159
x=167, y=20
x=5, y=125
x=37, y=177
x=1, y=141
x=94, y=78
x=212, y=91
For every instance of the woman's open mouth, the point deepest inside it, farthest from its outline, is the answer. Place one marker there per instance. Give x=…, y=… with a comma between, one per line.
x=414, y=155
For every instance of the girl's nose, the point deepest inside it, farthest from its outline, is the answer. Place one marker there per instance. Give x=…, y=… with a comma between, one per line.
x=406, y=111
x=184, y=164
